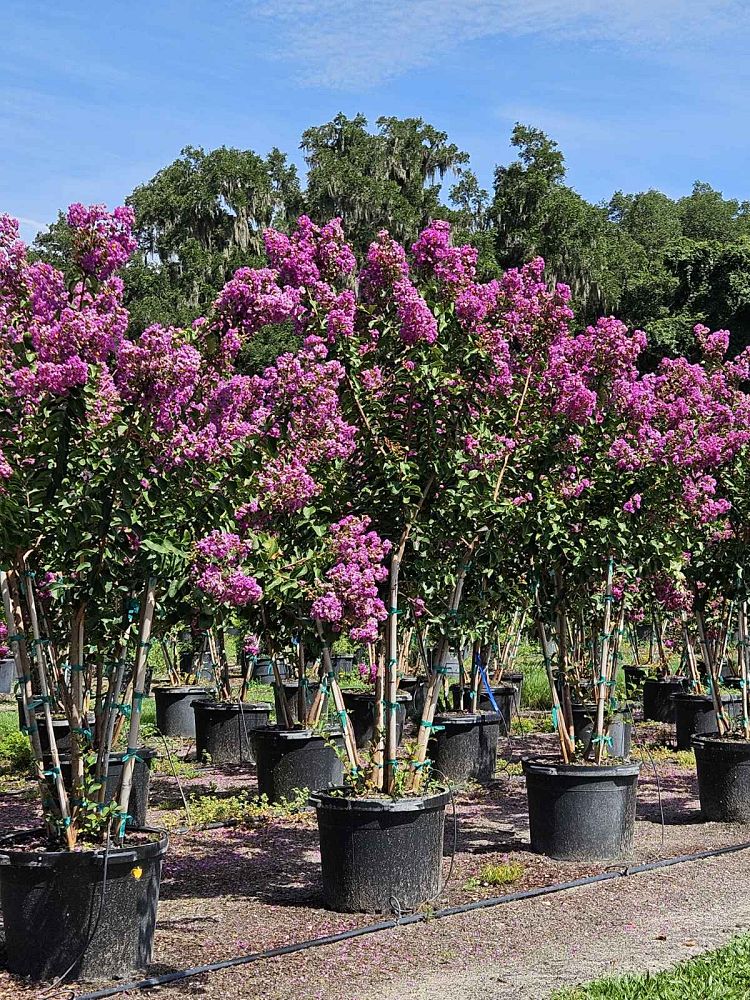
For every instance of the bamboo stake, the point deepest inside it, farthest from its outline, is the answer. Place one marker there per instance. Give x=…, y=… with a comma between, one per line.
x=54, y=771
x=603, y=679
x=695, y=677
x=391, y=678
x=378, y=752
x=148, y=605
x=722, y=724
x=742, y=624
x=17, y=642
x=338, y=701
x=567, y=743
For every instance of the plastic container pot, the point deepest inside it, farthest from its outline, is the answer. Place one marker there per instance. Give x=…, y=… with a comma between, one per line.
x=60, y=921
x=290, y=689
x=223, y=730
x=417, y=688
x=263, y=670
x=174, y=709
x=695, y=715
x=581, y=812
x=290, y=761
x=360, y=706
x=504, y=695
x=7, y=674
x=342, y=663
x=515, y=677
x=379, y=854
x=657, y=698
x=620, y=732
x=138, y=801
x=465, y=748
x=723, y=767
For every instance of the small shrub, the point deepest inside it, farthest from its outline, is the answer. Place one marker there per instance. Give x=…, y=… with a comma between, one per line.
x=15, y=753
x=505, y=873
x=241, y=808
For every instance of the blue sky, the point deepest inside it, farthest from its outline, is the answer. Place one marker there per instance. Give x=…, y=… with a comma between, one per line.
x=95, y=98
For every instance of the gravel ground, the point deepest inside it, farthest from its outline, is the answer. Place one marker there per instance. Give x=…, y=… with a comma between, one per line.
x=237, y=890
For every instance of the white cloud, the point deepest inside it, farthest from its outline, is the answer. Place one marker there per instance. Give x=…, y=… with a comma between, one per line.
x=356, y=43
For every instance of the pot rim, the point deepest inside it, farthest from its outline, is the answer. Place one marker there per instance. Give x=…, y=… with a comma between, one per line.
x=714, y=741
x=329, y=801
x=551, y=768
x=238, y=707
x=180, y=689
x=17, y=857
x=294, y=734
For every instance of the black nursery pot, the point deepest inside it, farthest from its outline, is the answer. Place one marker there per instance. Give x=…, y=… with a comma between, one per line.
x=723, y=767
x=515, y=677
x=504, y=695
x=360, y=705
x=417, y=688
x=138, y=801
x=290, y=761
x=7, y=674
x=223, y=730
x=342, y=662
x=378, y=854
x=620, y=731
x=174, y=709
x=290, y=689
x=657, y=698
x=60, y=728
x=581, y=812
x=53, y=902
x=465, y=748
x=695, y=715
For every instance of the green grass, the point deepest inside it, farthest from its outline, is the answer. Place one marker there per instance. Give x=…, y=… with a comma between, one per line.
x=717, y=975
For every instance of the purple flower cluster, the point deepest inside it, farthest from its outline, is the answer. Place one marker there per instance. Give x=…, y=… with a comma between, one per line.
x=217, y=570
x=348, y=595
x=102, y=241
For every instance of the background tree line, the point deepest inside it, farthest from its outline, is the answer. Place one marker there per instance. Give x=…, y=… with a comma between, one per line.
x=659, y=263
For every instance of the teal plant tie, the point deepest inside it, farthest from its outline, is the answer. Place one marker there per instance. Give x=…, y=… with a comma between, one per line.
x=342, y=717
x=77, y=668
x=145, y=645
x=18, y=637
x=419, y=764
x=124, y=709
x=138, y=697
x=28, y=730
x=555, y=714
x=123, y=823
x=392, y=705
x=431, y=725
x=66, y=821
x=52, y=772
x=609, y=597
x=83, y=731
x=395, y=611
x=442, y=670
x=41, y=641
x=131, y=755
x=393, y=764
x=40, y=701
x=603, y=739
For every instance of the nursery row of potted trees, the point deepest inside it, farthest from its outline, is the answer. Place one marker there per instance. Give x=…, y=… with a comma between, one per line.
x=441, y=464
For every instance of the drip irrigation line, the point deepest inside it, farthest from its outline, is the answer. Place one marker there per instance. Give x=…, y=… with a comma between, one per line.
x=412, y=918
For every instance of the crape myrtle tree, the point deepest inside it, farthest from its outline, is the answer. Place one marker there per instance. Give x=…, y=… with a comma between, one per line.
x=116, y=454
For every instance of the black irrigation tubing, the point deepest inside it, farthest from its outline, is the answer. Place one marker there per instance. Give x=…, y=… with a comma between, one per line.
x=403, y=921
